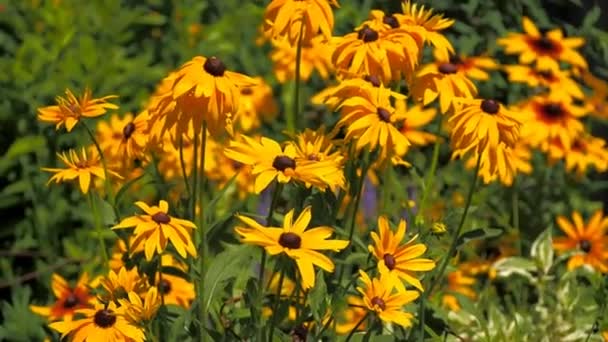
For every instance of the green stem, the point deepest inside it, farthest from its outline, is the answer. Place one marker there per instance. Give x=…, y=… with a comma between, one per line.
x=451, y=250
x=194, y=188
x=430, y=177
x=352, y=332
x=199, y=194
x=291, y=115
x=161, y=312
x=515, y=208
x=183, y=165
x=275, y=306
x=98, y=228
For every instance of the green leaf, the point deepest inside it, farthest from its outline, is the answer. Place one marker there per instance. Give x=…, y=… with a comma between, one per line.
x=318, y=297
x=515, y=265
x=542, y=251
x=591, y=18
x=478, y=234
x=19, y=147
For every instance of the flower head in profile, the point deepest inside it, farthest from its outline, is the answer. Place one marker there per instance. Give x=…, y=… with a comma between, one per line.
x=587, y=241
x=155, y=228
x=70, y=109
x=103, y=323
x=547, y=49
x=315, y=56
x=556, y=81
x=396, y=261
x=516, y=159
x=123, y=140
x=380, y=298
x=68, y=298
x=287, y=18
x=296, y=241
x=83, y=167
x=138, y=310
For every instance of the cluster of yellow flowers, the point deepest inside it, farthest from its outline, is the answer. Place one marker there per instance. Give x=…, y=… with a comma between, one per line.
x=202, y=123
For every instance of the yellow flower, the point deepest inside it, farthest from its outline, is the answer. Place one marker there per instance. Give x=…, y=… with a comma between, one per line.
x=139, y=311
x=70, y=110
x=82, y=167
x=295, y=241
x=368, y=86
x=587, y=241
x=585, y=151
x=284, y=19
x=117, y=285
x=156, y=228
x=398, y=262
x=347, y=319
x=557, y=81
x=546, y=49
x=598, y=101
x=518, y=159
x=458, y=283
x=416, y=117
x=106, y=324
x=315, y=55
x=123, y=140
x=270, y=161
x=201, y=90
x=68, y=298
x=379, y=298
x=473, y=67
x=256, y=102
x=175, y=290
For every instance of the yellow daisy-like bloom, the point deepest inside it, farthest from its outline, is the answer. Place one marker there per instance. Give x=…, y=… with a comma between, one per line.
x=123, y=140
x=598, y=101
x=517, y=160
x=84, y=167
x=256, y=103
x=139, y=311
x=156, y=228
x=68, y=298
x=379, y=298
x=373, y=122
x=388, y=54
x=551, y=117
x=295, y=241
x=284, y=19
x=429, y=24
x=201, y=90
x=347, y=319
x=588, y=241
x=473, y=67
x=118, y=284
x=444, y=81
x=586, y=151
x=102, y=324
x=269, y=161
x=557, y=81
x=458, y=282
x=416, y=117
x=315, y=55
x=398, y=262
x=546, y=49
x=175, y=290
x=70, y=110
x=224, y=169
x=368, y=86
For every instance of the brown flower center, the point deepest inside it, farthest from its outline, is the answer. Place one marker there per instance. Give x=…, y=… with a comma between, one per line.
x=128, y=130
x=490, y=106
x=214, y=66
x=547, y=75
x=553, y=110
x=70, y=301
x=161, y=218
x=585, y=246
x=448, y=68
x=164, y=286
x=373, y=79
x=378, y=301
x=104, y=318
x=391, y=21
x=545, y=44
x=290, y=240
x=246, y=91
x=299, y=333
x=389, y=261
x=367, y=35
x=455, y=59
x=384, y=114
x=283, y=163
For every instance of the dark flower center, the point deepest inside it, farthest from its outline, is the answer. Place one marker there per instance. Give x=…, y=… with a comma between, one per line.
x=373, y=79
x=553, y=110
x=545, y=44
x=290, y=240
x=391, y=21
x=384, y=114
x=120, y=292
x=71, y=301
x=299, y=333
x=455, y=59
x=448, y=68
x=378, y=301
x=246, y=91
x=164, y=286
x=161, y=218
x=547, y=75
x=128, y=130
x=214, y=66
x=236, y=165
x=490, y=106
x=389, y=261
x=104, y=318
x=283, y=163
x=367, y=35
x=585, y=246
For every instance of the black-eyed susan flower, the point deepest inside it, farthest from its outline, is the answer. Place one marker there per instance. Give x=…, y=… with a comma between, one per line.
x=84, y=167
x=398, y=262
x=123, y=140
x=369, y=86
x=174, y=289
x=70, y=109
x=474, y=67
x=587, y=241
x=287, y=18
x=547, y=49
x=256, y=105
x=156, y=228
x=68, y=298
x=458, y=283
x=103, y=323
x=295, y=241
x=138, y=310
x=598, y=100
x=494, y=163
x=585, y=151
x=380, y=298
x=556, y=81
x=201, y=90
x=517, y=162
x=269, y=161
x=416, y=117
x=117, y=284
x=314, y=56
